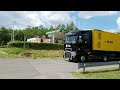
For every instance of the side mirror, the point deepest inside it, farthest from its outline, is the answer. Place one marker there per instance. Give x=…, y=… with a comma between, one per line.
x=80, y=39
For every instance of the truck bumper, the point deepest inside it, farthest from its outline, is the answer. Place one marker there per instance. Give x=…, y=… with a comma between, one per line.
x=68, y=55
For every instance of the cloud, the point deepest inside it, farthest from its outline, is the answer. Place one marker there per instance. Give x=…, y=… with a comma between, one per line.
x=46, y=18
x=112, y=30
x=118, y=22
x=55, y=17
x=90, y=14
x=22, y=18
x=33, y=18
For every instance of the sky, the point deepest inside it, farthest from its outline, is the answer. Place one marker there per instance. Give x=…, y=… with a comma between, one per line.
x=102, y=20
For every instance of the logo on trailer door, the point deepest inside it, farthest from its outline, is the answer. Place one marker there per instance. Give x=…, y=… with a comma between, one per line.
x=99, y=35
x=99, y=44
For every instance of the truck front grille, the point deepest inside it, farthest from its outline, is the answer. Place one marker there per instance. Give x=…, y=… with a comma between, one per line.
x=68, y=49
x=67, y=54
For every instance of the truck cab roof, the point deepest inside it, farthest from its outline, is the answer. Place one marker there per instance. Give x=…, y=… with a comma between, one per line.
x=76, y=32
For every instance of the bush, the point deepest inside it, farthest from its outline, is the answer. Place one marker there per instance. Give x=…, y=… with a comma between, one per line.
x=5, y=46
x=33, y=45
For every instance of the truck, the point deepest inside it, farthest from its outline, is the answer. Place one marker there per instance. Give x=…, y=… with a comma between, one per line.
x=91, y=44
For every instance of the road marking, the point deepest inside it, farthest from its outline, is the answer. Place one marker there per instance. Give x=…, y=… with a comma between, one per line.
x=54, y=62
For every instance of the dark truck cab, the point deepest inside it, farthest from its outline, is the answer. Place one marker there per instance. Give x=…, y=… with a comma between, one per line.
x=77, y=45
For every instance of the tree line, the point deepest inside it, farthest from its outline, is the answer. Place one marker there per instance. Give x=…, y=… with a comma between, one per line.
x=6, y=34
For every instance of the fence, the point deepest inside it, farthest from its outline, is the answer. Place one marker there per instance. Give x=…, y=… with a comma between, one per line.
x=93, y=64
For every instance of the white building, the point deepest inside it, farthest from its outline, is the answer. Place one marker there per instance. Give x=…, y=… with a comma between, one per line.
x=34, y=40
x=37, y=40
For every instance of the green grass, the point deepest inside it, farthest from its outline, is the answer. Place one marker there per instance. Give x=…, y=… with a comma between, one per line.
x=13, y=50
x=109, y=73
x=20, y=52
x=47, y=53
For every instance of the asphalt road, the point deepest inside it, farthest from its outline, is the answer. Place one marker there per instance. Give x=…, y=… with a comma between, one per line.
x=37, y=69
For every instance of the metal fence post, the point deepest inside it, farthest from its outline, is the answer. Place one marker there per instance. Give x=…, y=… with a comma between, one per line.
x=83, y=68
x=119, y=66
x=78, y=65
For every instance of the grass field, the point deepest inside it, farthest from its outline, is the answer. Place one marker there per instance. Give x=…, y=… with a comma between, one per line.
x=20, y=52
x=109, y=73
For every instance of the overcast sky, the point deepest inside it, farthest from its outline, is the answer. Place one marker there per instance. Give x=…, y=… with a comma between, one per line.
x=105, y=20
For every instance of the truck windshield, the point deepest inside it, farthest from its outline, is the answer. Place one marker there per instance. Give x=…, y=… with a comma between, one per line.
x=71, y=39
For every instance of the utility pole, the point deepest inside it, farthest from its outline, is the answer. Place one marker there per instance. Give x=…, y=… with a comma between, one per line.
x=11, y=36
x=83, y=23
x=79, y=23
x=24, y=41
x=53, y=37
x=74, y=21
x=13, y=29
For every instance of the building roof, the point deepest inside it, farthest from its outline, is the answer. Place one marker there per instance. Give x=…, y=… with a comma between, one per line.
x=57, y=34
x=51, y=32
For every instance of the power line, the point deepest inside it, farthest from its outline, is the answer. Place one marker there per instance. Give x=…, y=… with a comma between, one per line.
x=83, y=23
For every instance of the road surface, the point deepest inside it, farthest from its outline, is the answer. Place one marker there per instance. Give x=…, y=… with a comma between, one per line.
x=36, y=69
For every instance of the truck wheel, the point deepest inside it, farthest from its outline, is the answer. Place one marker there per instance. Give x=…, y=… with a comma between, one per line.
x=83, y=58
x=105, y=58
x=70, y=60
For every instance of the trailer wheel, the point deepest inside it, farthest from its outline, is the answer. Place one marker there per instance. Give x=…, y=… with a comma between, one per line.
x=105, y=58
x=83, y=58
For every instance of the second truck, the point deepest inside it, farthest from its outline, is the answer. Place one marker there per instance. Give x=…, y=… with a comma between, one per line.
x=86, y=45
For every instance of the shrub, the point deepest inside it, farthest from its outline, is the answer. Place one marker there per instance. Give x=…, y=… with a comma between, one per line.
x=34, y=45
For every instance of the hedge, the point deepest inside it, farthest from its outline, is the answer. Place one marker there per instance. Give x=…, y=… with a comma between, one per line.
x=34, y=45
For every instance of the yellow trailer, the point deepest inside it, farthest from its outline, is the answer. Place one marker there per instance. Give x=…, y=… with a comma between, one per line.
x=105, y=41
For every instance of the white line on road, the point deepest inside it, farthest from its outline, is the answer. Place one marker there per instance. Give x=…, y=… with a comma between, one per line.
x=55, y=62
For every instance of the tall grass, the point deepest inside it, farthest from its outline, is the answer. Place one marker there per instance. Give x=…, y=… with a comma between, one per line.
x=47, y=53
x=20, y=52
x=13, y=50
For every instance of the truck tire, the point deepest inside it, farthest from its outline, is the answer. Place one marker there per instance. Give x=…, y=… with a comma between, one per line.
x=70, y=60
x=83, y=58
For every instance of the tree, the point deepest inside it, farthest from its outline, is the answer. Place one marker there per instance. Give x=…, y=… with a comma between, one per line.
x=41, y=27
x=30, y=32
x=4, y=35
x=51, y=28
x=19, y=35
x=70, y=27
x=76, y=28
x=62, y=27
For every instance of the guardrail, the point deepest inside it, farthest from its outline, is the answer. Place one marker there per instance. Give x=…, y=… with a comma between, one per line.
x=93, y=64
